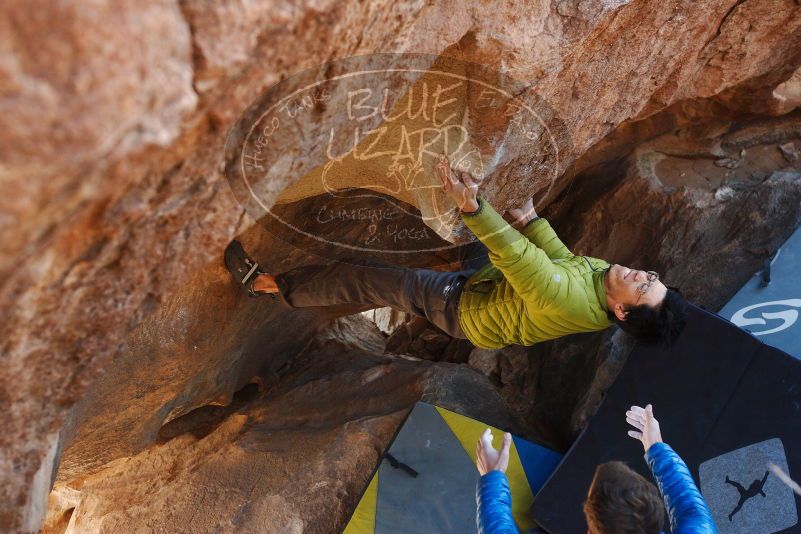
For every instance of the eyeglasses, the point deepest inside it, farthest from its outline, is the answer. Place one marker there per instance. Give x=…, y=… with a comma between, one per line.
x=643, y=288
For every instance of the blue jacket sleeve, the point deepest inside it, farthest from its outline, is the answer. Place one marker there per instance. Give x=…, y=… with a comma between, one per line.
x=687, y=510
x=494, y=500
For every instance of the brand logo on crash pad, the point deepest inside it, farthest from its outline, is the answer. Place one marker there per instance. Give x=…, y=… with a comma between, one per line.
x=742, y=492
x=768, y=317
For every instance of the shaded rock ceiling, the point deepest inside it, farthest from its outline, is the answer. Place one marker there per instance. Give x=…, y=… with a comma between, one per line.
x=135, y=372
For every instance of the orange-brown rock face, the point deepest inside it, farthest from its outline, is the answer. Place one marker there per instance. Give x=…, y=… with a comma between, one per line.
x=294, y=458
x=120, y=322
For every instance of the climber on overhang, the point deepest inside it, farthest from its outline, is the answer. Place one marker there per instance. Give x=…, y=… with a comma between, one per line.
x=529, y=288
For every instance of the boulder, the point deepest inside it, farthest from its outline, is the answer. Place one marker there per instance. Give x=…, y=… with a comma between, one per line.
x=293, y=458
x=118, y=318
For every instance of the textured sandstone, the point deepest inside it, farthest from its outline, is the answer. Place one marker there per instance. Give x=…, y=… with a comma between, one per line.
x=292, y=459
x=116, y=208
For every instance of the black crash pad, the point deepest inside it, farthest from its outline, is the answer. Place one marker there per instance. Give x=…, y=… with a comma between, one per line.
x=726, y=402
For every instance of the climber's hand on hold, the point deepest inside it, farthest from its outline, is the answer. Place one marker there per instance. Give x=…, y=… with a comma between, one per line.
x=487, y=458
x=522, y=215
x=647, y=426
x=462, y=191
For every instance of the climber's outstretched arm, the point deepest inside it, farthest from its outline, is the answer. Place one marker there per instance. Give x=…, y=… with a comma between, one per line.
x=527, y=267
x=538, y=231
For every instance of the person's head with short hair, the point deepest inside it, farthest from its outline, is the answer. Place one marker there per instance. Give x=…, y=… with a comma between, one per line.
x=621, y=501
x=643, y=306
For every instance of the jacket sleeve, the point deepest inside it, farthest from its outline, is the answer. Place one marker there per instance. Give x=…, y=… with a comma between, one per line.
x=494, y=505
x=540, y=232
x=527, y=267
x=687, y=510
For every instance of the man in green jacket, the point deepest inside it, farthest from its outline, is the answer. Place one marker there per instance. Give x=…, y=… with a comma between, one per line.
x=530, y=289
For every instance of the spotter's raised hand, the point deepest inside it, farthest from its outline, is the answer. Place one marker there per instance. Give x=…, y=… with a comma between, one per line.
x=646, y=424
x=487, y=458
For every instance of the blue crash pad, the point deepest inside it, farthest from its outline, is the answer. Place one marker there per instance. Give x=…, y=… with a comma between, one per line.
x=772, y=313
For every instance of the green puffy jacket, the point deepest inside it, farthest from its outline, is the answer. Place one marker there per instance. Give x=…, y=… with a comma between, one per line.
x=533, y=289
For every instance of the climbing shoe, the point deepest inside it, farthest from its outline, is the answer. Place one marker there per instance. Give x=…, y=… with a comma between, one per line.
x=243, y=268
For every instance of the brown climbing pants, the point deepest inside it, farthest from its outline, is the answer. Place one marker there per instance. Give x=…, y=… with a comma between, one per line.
x=422, y=292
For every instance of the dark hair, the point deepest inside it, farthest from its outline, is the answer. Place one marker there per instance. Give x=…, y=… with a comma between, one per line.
x=622, y=501
x=656, y=325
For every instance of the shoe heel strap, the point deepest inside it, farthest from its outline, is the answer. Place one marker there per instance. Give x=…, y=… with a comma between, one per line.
x=250, y=272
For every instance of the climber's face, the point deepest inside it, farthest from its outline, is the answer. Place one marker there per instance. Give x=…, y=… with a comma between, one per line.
x=628, y=287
